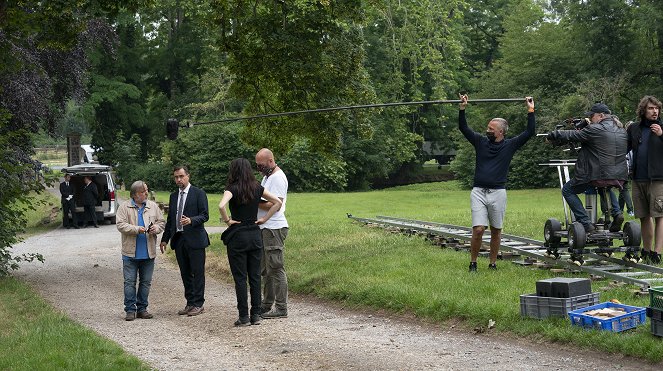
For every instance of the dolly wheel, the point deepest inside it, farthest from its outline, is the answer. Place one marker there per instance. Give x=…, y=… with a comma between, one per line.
x=577, y=236
x=632, y=234
x=549, y=231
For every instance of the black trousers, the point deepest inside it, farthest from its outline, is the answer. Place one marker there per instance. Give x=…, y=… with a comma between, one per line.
x=89, y=214
x=192, y=269
x=67, y=207
x=245, y=265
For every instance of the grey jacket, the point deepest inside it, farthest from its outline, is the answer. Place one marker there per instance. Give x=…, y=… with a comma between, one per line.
x=602, y=155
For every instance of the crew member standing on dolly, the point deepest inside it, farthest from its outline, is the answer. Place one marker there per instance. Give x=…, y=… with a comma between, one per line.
x=488, y=197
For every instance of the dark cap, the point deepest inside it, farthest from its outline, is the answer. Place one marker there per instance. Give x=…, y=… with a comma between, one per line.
x=598, y=108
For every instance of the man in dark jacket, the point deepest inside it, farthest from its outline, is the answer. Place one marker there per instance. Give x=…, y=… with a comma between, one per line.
x=646, y=140
x=90, y=196
x=601, y=162
x=67, y=200
x=185, y=229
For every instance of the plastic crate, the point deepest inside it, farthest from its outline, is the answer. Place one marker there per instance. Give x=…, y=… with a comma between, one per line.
x=633, y=317
x=656, y=297
x=655, y=314
x=657, y=327
x=543, y=306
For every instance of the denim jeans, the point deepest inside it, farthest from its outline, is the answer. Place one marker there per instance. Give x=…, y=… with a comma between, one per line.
x=136, y=300
x=570, y=192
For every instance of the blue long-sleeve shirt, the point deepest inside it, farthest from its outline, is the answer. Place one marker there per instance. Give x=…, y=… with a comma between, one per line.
x=493, y=158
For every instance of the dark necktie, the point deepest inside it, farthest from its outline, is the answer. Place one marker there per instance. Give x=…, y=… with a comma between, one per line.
x=180, y=206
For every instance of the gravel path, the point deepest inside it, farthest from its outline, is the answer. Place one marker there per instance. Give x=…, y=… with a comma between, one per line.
x=82, y=276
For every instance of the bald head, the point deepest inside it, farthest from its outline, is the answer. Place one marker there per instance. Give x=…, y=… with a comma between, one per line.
x=264, y=154
x=265, y=161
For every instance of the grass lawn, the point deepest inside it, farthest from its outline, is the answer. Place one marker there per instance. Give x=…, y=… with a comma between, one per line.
x=34, y=336
x=45, y=216
x=331, y=257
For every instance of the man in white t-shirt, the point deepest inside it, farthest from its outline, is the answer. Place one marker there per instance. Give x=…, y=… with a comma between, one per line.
x=274, y=233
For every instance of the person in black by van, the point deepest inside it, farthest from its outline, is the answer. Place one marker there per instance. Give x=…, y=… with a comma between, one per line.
x=243, y=238
x=90, y=196
x=68, y=205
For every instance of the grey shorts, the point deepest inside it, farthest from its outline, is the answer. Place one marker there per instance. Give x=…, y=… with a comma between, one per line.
x=488, y=207
x=648, y=199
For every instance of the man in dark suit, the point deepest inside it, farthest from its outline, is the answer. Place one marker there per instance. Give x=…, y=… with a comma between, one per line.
x=185, y=229
x=90, y=196
x=67, y=200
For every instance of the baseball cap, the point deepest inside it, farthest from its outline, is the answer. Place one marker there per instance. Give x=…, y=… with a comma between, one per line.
x=598, y=108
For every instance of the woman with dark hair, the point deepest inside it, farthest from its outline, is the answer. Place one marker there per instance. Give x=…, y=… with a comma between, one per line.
x=242, y=238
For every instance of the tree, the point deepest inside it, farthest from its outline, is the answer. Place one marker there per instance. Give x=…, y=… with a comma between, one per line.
x=42, y=67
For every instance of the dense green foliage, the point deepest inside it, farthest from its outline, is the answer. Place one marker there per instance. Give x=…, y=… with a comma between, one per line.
x=117, y=70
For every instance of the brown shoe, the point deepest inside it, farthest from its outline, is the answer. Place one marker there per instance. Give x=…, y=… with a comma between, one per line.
x=195, y=311
x=144, y=315
x=185, y=310
x=130, y=316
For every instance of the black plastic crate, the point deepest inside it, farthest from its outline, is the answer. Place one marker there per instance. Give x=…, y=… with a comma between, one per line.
x=656, y=327
x=562, y=287
x=655, y=314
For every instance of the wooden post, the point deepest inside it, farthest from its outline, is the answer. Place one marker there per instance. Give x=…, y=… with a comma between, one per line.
x=73, y=149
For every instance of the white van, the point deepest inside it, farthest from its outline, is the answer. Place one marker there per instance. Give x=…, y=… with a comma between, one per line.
x=104, y=178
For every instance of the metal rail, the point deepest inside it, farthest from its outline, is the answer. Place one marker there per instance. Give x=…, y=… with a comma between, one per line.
x=618, y=270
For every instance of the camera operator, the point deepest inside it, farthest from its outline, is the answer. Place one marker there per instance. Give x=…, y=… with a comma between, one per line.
x=646, y=140
x=601, y=162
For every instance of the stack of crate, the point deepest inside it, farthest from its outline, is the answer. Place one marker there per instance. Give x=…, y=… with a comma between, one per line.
x=655, y=310
x=555, y=297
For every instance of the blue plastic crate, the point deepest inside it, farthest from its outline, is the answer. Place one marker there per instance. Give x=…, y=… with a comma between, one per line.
x=633, y=317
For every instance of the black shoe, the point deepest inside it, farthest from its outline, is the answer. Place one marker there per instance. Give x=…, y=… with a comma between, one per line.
x=96, y=226
x=255, y=319
x=644, y=254
x=492, y=266
x=654, y=257
x=473, y=267
x=616, y=224
x=589, y=228
x=242, y=321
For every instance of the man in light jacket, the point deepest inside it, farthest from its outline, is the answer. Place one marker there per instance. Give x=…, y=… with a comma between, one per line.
x=140, y=221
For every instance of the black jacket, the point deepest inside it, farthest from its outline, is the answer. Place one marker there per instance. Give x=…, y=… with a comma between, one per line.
x=194, y=235
x=654, y=154
x=66, y=191
x=90, y=194
x=602, y=155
